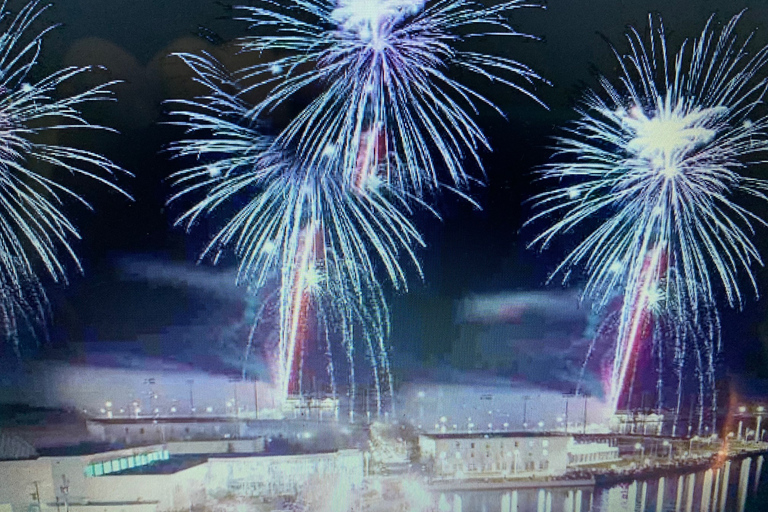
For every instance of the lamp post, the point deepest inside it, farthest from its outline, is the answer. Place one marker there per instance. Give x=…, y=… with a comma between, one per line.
x=641, y=447
x=669, y=449
x=525, y=411
x=742, y=410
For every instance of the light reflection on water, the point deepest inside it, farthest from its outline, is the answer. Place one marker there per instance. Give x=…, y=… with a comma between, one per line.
x=724, y=489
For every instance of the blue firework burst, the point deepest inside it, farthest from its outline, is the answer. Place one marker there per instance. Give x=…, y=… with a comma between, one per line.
x=325, y=242
x=655, y=171
x=35, y=231
x=383, y=69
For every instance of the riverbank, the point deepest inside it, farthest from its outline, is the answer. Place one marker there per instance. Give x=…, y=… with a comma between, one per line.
x=489, y=485
x=602, y=476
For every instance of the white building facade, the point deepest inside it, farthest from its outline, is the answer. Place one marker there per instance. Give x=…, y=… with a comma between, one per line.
x=153, y=479
x=507, y=454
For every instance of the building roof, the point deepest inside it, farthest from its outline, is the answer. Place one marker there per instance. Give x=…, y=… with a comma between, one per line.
x=13, y=447
x=91, y=448
x=172, y=465
x=165, y=419
x=489, y=435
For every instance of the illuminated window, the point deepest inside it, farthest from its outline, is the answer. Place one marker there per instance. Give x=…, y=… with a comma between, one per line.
x=98, y=469
x=545, y=443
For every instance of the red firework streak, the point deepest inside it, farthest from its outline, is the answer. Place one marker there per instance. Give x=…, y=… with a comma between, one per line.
x=639, y=326
x=370, y=154
x=309, y=252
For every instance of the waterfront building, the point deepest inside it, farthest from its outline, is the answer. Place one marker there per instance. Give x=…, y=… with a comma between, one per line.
x=585, y=452
x=164, y=477
x=636, y=422
x=146, y=430
x=513, y=454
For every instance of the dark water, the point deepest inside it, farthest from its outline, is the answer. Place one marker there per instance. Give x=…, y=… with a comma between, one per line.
x=738, y=486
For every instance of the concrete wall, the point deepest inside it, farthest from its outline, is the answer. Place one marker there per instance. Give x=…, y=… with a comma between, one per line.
x=224, y=446
x=177, y=491
x=18, y=479
x=133, y=432
x=275, y=475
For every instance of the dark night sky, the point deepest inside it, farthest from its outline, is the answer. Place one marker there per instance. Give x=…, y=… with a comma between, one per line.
x=469, y=251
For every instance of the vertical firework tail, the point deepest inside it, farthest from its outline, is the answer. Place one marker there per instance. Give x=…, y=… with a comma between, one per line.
x=636, y=317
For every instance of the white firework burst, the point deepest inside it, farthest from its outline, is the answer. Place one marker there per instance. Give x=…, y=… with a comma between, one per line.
x=34, y=228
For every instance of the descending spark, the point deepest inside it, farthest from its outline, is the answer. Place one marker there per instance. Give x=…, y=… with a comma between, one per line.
x=382, y=67
x=656, y=165
x=646, y=299
x=324, y=241
x=34, y=229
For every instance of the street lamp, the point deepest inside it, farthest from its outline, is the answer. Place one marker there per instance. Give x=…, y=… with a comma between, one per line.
x=742, y=410
x=641, y=447
x=669, y=449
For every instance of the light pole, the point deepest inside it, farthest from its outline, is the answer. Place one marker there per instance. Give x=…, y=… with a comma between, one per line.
x=669, y=449
x=742, y=410
x=525, y=411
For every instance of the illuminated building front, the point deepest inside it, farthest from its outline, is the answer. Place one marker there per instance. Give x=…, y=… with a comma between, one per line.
x=509, y=454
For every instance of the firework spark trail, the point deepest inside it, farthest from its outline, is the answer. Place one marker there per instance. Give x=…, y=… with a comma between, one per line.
x=382, y=66
x=325, y=241
x=293, y=329
x=631, y=330
x=34, y=229
x=659, y=162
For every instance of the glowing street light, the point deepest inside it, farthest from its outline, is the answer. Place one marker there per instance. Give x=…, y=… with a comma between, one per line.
x=669, y=448
x=641, y=447
x=742, y=410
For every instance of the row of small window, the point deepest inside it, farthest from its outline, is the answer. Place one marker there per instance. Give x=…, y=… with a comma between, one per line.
x=544, y=443
x=112, y=466
x=502, y=466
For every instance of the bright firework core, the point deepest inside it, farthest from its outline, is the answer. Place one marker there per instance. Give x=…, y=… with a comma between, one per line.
x=372, y=20
x=670, y=135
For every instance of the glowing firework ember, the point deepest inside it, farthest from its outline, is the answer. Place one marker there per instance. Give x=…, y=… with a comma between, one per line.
x=301, y=225
x=655, y=166
x=33, y=226
x=382, y=68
